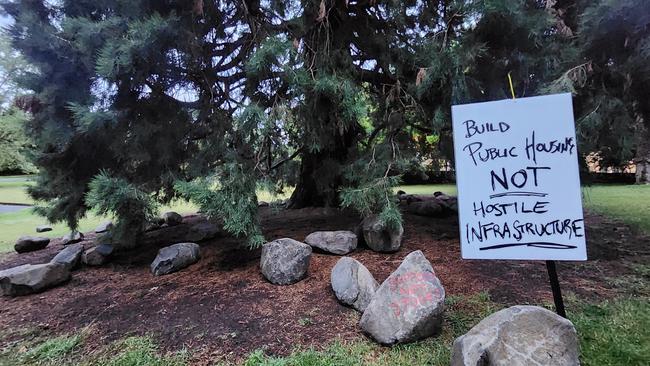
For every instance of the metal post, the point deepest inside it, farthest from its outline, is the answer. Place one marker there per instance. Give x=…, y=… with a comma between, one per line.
x=555, y=286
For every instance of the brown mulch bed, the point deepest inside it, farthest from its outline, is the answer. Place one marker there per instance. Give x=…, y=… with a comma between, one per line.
x=223, y=307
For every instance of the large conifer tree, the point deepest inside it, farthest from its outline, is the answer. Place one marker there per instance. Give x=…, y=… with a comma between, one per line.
x=140, y=101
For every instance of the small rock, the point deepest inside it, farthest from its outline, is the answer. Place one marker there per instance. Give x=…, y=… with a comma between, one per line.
x=69, y=256
x=408, y=306
x=73, y=237
x=285, y=261
x=262, y=204
x=175, y=257
x=519, y=335
x=26, y=244
x=104, y=227
x=172, y=218
x=96, y=256
x=43, y=228
x=352, y=283
x=336, y=242
x=379, y=237
x=32, y=278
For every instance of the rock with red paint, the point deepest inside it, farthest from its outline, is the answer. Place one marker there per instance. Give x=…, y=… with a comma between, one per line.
x=352, y=283
x=519, y=335
x=408, y=306
x=379, y=236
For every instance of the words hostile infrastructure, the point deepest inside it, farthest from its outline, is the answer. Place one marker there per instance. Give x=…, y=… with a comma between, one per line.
x=518, y=181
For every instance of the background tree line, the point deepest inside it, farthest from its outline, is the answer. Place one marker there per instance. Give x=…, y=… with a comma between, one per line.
x=135, y=103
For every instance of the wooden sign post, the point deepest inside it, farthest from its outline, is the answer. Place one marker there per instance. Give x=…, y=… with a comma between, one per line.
x=518, y=183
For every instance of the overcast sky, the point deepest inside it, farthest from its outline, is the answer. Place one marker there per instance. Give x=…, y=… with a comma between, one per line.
x=4, y=21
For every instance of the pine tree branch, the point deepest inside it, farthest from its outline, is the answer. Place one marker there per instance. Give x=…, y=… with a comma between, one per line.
x=291, y=157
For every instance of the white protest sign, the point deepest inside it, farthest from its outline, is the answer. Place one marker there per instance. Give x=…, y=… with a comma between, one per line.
x=517, y=177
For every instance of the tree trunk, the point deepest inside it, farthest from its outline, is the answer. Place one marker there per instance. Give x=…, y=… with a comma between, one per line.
x=321, y=173
x=642, y=160
x=315, y=187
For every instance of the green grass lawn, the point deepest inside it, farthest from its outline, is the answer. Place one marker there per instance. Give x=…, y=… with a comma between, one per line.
x=13, y=191
x=628, y=203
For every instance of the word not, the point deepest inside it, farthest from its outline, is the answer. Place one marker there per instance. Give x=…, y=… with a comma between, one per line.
x=473, y=129
x=517, y=230
x=517, y=207
x=551, y=147
x=518, y=179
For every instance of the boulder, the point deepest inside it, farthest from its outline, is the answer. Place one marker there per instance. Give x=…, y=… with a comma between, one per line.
x=26, y=244
x=70, y=256
x=519, y=335
x=430, y=208
x=379, y=236
x=203, y=231
x=43, y=228
x=336, y=242
x=98, y=255
x=408, y=306
x=172, y=218
x=175, y=257
x=104, y=227
x=32, y=278
x=452, y=204
x=285, y=261
x=352, y=283
x=73, y=237
x=150, y=226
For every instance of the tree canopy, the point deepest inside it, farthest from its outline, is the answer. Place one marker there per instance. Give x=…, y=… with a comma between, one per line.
x=139, y=102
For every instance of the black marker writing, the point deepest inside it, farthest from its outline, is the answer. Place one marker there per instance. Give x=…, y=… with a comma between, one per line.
x=518, y=179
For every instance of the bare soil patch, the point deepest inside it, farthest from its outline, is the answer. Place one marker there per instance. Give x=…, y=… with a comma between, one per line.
x=222, y=307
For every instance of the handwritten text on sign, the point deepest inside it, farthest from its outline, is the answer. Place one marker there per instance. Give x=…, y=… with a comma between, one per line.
x=518, y=183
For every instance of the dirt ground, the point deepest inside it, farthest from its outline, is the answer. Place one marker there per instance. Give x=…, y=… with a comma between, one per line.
x=222, y=307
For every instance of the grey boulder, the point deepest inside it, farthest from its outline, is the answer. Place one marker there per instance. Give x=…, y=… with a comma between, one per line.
x=408, y=306
x=285, y=261
x=519, y=335
x=430, y=208
x=32, y=278
x=70, y=256
x=175, y=257
x=379, y=236
x=26, y=244
x=73, y=237
x=352, y=283
x=43, y=228
x=104, y=227
x=336, y=242
x=98, y=255
x=172, y=218
x=203, y=231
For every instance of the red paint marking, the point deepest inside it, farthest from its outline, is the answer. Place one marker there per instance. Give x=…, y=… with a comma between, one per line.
x=414, y=289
